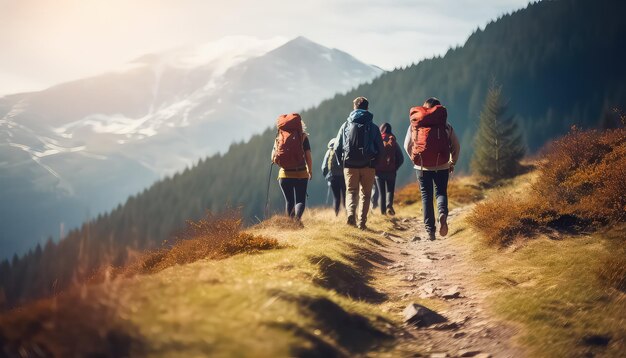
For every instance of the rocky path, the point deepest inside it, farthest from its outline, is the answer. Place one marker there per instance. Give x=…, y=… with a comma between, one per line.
x=442, y=271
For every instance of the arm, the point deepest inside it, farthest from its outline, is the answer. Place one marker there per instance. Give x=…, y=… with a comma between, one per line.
x=309, y=163
x=455, y=147
x=408, y=142
x=378, y=142
x=325, y=167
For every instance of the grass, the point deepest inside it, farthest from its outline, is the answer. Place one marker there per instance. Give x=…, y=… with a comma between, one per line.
x=313, y=296
x=553, y=289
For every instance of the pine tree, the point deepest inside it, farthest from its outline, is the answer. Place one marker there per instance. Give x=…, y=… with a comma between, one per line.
x=498, y=146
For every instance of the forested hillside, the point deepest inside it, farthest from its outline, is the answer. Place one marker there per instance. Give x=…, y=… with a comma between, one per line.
x=557, y=63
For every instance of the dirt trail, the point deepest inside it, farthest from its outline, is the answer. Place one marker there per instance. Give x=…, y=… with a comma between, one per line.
x=443, y=270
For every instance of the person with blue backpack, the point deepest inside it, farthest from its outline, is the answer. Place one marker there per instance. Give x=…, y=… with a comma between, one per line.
x=332, y=169
x=359, y=145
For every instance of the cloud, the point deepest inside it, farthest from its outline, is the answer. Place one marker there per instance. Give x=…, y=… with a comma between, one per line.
x=51, y=41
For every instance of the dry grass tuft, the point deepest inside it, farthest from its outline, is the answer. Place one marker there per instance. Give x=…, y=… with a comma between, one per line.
x=614, y=270
x=460, y=191
x=580, y=186
x=79, y=324
x=213, y=237
x=281, y=222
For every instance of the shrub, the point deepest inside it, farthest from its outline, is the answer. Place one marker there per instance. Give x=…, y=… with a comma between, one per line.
x=580, y=186
x=459, y=191
x=215, y=237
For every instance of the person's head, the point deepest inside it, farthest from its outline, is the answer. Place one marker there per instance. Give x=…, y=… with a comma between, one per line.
x=385, y=128
x=361, y=103
x=431, y=102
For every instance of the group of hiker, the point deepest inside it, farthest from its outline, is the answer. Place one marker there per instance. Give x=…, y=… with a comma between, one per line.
x=364, y=156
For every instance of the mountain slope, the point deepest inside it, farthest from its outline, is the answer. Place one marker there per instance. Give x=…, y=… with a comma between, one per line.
x=86, y=145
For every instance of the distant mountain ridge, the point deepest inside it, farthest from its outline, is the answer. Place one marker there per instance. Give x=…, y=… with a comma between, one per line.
x=86, y=145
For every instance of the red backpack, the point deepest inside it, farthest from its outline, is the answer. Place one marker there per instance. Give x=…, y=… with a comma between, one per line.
x=387, y=161
x=431, y=145
x=288, y=150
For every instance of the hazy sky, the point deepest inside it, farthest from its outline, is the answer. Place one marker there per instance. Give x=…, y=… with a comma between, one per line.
x=44, y=42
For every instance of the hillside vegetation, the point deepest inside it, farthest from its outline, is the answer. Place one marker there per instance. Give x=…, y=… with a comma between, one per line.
x=556, y=60
x=334, y=291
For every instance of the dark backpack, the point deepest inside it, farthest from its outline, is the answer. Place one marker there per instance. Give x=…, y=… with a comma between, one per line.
x=357, y=145
x=288, y=150
x=387, y=160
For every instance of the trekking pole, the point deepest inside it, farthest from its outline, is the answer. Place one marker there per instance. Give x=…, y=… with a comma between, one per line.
x=327, y=194
x=267, y=195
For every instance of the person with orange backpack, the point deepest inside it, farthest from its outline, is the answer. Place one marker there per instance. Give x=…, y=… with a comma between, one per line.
x=434, y=149
x=390, y=160
x=292, y=153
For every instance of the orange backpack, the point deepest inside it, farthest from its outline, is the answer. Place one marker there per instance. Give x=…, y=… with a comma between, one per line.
x=431, y=145
x=288, y=150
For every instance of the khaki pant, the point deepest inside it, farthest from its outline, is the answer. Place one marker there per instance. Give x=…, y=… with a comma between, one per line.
x=359, y=181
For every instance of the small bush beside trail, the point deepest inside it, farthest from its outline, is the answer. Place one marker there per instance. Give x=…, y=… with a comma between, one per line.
x=214, y=237
x=580, y=186
x=460, y=191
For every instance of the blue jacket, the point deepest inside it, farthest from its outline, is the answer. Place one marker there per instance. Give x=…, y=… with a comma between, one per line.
x=360, y=116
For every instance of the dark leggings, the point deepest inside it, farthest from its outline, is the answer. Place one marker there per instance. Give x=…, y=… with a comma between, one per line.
x=294, y=191
x=386, y=183
x=426, y=178
x=338, y=187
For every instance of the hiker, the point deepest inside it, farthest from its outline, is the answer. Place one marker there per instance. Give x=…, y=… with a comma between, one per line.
x=434, y=148
x=292, y=153
x=390, y=160
x=359, y=145
x=332, y=169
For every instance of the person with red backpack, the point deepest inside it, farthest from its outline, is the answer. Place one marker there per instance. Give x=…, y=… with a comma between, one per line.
x=292, y=153
x=359, y=145
x=390, y=160
x=434, y=149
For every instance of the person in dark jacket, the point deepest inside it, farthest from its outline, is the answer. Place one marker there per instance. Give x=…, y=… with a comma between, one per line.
x=386, y=168
x=359, y=145
x=332, y=169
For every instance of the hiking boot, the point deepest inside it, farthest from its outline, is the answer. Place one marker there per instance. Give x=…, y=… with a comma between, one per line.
x=391, y=212
x=443, y=224
x=351, y=220
x=431, y=236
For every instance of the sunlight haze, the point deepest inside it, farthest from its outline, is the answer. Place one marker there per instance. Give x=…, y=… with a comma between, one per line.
x=47, y=42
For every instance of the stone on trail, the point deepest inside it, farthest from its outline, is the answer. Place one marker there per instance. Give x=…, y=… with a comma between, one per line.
x=458, y=334
x=409, y=277
x=439, y=355
x=451, y=293
x=421, y=316
x=469, y=353
x=416, y=238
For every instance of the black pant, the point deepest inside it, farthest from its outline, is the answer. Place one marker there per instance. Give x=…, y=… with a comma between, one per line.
x=338, y=187
x=386, y=184
x=294, y=191
x=426, y=178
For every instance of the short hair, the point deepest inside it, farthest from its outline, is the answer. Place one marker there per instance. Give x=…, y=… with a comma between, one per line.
x=431, y=102
x=361, y=103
